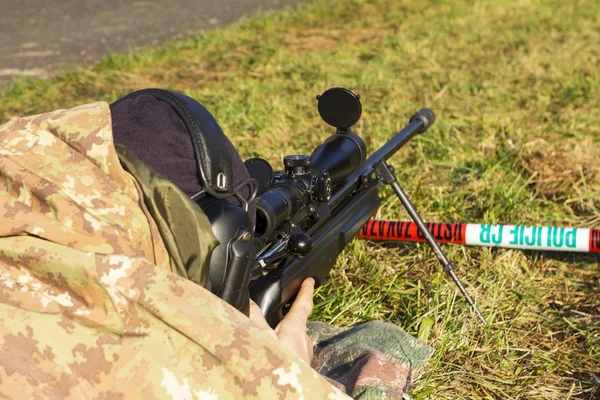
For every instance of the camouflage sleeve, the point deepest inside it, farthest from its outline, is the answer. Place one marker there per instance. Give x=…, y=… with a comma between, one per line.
x=116, y=327
x=61, y=180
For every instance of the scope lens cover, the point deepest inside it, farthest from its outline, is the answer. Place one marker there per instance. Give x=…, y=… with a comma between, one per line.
x=261, y=170
x=339, y=107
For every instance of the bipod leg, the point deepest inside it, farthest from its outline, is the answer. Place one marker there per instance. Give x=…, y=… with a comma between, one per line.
x=387, y=175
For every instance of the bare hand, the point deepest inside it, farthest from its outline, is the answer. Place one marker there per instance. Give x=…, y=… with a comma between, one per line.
x=291, y=331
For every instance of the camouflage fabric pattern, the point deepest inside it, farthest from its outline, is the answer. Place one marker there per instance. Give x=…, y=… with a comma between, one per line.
x=373, y=360
x=62, y=181
x=89, y=307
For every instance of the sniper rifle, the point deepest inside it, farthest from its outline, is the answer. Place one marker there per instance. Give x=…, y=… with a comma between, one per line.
x=308, y=213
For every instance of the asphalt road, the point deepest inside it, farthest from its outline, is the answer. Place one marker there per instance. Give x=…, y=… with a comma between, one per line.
x=37, y=36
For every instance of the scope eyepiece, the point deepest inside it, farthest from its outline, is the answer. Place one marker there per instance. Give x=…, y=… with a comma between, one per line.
x=274, y=207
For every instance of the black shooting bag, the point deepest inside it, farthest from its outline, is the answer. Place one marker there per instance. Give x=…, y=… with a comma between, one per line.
x=179, y=138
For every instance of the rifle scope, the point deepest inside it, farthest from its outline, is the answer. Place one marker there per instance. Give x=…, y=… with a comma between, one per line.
x=309, y=180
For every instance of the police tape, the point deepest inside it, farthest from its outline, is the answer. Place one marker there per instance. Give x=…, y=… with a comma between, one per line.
x=506, y=236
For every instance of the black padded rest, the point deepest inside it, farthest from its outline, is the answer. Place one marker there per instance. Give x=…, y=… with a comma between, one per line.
x=209, y=142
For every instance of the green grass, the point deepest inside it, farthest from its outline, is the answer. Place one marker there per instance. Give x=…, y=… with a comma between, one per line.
x=515, y=86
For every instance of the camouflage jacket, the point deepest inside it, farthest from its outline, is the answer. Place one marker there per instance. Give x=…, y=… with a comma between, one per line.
x=90, y=304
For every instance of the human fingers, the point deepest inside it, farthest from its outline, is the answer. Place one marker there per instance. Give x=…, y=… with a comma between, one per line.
x=292, y=329
x=303, y=304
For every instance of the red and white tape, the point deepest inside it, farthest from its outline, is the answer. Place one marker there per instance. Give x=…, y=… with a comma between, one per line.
x=507, y=236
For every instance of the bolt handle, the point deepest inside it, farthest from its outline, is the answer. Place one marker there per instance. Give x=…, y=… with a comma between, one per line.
x=299, y=244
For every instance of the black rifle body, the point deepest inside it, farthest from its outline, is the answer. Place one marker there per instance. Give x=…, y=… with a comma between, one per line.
x=353, y=202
